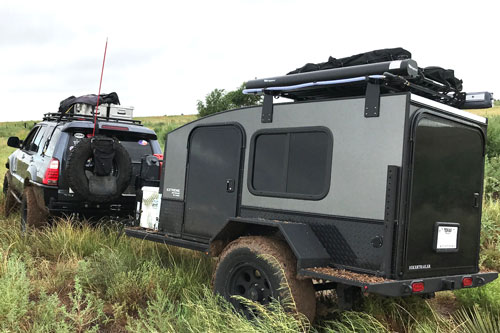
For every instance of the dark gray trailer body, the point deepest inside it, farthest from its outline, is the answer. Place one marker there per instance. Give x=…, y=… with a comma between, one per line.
x=360, y=187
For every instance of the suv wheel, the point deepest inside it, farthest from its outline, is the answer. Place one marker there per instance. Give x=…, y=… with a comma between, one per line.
x=10, y=203
x=31, y=214
x=261, y=269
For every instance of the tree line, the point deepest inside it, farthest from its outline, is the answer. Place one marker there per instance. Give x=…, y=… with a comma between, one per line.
x=220, y=100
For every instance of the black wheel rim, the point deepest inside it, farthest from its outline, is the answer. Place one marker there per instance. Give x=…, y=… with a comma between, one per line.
x=24, y=214
x=249, y=281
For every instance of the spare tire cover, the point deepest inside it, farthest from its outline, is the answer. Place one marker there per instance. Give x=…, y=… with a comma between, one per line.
x=79, y=166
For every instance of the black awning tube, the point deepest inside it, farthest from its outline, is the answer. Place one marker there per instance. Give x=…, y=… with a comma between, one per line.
x=406, y=68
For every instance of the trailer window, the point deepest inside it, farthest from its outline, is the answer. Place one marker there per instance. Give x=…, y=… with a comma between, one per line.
x=291, y=163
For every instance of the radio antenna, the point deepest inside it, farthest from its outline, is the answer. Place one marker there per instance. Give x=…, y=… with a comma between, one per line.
x=100, y=83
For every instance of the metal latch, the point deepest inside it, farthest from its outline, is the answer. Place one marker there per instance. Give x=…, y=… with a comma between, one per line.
x=230, y=185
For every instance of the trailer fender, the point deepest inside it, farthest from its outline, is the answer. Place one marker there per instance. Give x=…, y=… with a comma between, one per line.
x=299, y=236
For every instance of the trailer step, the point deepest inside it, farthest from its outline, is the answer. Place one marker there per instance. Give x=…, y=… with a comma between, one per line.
x=155, y=236
x=387, y=287
x=342, y=276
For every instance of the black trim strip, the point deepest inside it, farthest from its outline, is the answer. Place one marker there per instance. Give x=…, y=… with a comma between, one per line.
x=159, y=238
x=54, y=187
x=303, y=214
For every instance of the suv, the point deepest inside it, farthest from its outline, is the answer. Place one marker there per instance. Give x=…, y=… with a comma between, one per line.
x=39, y=175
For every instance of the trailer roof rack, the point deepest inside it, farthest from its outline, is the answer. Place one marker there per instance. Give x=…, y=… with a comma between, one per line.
x=389, y=76
x=58, y=116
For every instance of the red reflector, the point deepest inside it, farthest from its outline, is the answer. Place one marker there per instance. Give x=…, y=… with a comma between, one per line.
x=114, y=128
x=417, y=287
x=467, y=282
x=51, y=176
x=160, y=157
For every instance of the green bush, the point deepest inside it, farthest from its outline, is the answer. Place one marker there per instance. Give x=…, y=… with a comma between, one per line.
x=492, y=177
x=14, y=290
x=49, y=315
x=487, y=296
x=493, y=140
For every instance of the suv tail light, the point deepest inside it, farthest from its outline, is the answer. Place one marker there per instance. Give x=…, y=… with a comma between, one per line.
x=115, y=128
x=467, y=281
x=52, y=173
x=160, y=157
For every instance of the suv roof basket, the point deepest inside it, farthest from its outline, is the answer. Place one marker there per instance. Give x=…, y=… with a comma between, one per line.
x=391, y=76
x=57, y=116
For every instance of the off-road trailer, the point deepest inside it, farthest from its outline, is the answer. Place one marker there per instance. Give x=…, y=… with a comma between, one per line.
x=380, y=191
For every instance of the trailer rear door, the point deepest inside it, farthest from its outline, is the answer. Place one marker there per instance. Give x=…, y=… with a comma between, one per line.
x=445, y=198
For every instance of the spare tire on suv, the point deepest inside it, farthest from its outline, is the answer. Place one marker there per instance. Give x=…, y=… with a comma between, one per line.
x=99, y=169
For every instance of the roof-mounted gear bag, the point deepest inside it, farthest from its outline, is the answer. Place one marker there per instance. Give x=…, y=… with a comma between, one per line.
x=66, y=105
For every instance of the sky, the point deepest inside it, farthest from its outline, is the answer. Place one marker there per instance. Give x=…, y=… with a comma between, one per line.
x=164, y=56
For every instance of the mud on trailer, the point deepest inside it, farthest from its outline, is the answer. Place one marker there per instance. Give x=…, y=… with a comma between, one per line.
x=371, y=180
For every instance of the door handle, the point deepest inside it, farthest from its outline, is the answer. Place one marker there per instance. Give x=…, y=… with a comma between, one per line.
x=230, y=185
x=476, y=200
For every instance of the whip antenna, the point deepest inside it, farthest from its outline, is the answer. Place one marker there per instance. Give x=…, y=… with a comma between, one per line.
x=100, y=83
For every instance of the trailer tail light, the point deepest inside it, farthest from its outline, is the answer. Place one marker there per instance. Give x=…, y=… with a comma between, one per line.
x=51, y=176
x=160, y=158
x=467, y=282
x=417, y=287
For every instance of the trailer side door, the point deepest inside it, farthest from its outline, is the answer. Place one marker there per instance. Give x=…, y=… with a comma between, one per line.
x=213, y=177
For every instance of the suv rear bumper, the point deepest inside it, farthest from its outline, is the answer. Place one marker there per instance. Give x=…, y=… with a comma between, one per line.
x=121, y=208
x=394, y=288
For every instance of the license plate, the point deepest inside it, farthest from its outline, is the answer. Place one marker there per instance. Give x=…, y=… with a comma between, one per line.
x=447, y=238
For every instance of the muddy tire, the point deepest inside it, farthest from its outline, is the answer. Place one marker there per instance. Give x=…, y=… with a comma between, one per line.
x=77, y=174
x=261, y=269
x=31, y=214
x=10, y=203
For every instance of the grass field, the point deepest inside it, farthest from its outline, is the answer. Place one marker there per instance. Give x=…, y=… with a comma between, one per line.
x=76, y=278
x=491, y=112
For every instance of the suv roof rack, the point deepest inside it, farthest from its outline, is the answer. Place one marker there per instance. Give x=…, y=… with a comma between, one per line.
x=58, y=116
x=390, y=76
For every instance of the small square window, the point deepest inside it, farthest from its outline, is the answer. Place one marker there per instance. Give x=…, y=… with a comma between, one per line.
x=292, y=163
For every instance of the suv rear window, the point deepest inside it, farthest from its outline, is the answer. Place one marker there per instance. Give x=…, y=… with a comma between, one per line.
x=137, y=149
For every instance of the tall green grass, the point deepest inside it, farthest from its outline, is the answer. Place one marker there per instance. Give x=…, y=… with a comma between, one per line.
x=76, y=277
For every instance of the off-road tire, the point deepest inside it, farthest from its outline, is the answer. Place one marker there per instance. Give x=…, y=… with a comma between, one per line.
x=10, y=203
x=275, y=262
x=31, y=214
x=78, y=181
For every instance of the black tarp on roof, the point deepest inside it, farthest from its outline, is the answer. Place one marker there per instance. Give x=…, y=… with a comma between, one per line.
x=444, y=76
x=111, y=98
x=371, y=57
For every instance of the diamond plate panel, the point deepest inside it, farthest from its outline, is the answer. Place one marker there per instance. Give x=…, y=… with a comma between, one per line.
x=348, y=241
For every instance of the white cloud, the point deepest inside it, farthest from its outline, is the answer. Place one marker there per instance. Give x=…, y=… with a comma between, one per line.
x=164, y=56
